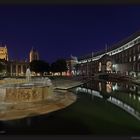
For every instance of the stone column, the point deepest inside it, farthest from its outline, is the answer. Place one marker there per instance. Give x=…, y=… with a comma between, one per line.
x=11, y=69
x=87, y=68
x=16, y=70
x=22, y=69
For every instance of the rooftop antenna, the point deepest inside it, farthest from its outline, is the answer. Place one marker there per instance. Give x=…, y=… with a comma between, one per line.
x=105, y=48
x=92, y=54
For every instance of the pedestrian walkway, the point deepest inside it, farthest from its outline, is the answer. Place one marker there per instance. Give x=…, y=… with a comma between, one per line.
x=65, y=84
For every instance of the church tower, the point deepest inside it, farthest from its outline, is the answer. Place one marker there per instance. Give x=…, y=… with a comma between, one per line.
x=3, y=52
x=33, y=55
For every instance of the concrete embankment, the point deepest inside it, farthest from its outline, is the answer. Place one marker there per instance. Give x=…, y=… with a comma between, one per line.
x=64, y=84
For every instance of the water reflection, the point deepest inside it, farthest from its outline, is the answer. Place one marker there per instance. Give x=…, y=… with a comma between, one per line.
x=123, y=95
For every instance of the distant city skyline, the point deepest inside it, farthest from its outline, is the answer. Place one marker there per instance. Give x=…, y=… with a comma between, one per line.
x=59, y=31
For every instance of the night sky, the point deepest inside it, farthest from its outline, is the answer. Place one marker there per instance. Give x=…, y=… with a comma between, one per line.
x=57, y=31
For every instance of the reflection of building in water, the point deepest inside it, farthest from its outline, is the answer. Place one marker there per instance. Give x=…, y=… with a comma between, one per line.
x=101, y=86
x=125, y=101
x=89, y=91
x=125, y=107
x=108, y=87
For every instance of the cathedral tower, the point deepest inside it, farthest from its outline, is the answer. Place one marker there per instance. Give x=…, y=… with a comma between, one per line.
x=3, y=52
x=33, y=55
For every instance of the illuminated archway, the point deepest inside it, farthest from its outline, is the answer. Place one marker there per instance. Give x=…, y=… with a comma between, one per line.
x=109, y=66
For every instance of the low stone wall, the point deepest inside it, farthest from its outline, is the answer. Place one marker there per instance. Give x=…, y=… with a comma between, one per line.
x=59, y=101
x=18, y=95
x=19, y=99
x=11, y=91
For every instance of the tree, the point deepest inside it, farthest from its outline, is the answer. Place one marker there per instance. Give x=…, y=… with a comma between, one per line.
x=2, y=66
x=39, y=66
x=59, y=66
x=54, y=67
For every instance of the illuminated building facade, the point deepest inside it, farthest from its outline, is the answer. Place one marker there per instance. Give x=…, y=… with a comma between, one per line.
x=3, y=53
x=17, y=68
x=12, y=68
x=123, y=58
x=33, y=55
x=71, y=65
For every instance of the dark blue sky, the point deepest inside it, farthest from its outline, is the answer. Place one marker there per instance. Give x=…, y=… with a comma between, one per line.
x=61, y=30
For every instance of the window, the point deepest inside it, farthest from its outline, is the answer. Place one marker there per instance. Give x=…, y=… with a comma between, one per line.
x=134, y=58
x=139, y=57
x=138, y=48
x=129, y=51
x=133, y=50
x=129, y=59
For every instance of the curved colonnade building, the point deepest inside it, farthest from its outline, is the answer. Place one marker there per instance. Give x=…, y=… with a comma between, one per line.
x=123, y=58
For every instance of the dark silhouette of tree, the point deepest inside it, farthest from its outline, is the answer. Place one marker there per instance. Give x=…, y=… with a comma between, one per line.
x=54, y=67
x=59, y=66
x=2, y=65
x=39, y=66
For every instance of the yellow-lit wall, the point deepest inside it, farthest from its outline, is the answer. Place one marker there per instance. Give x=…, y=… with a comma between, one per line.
x=3, y=53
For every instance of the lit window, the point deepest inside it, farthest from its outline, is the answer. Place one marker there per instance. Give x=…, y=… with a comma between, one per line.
x=134, y=58
x=139, y=56
x=129, y=59
x=100, y=66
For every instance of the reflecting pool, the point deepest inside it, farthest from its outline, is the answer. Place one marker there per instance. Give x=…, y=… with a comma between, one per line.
x=102, y=108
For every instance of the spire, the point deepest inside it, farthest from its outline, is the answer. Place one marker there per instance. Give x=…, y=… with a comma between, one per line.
x=105, y=48
x=92, y=54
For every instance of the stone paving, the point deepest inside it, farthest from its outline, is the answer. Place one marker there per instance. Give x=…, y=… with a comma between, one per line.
x=65, y=84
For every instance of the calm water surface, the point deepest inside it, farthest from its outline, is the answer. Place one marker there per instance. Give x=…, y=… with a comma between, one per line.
x=102, y=108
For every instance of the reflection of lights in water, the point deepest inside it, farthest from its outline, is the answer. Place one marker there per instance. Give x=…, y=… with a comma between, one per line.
x=139, y=98
x=133, y=88
x=134, y=97
x=78, y=88
x=124, y=106
x=89, y=91
x=115, y=87
x=126, y=86
x=130, y=95
x=109, y=87
x=100, y=86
